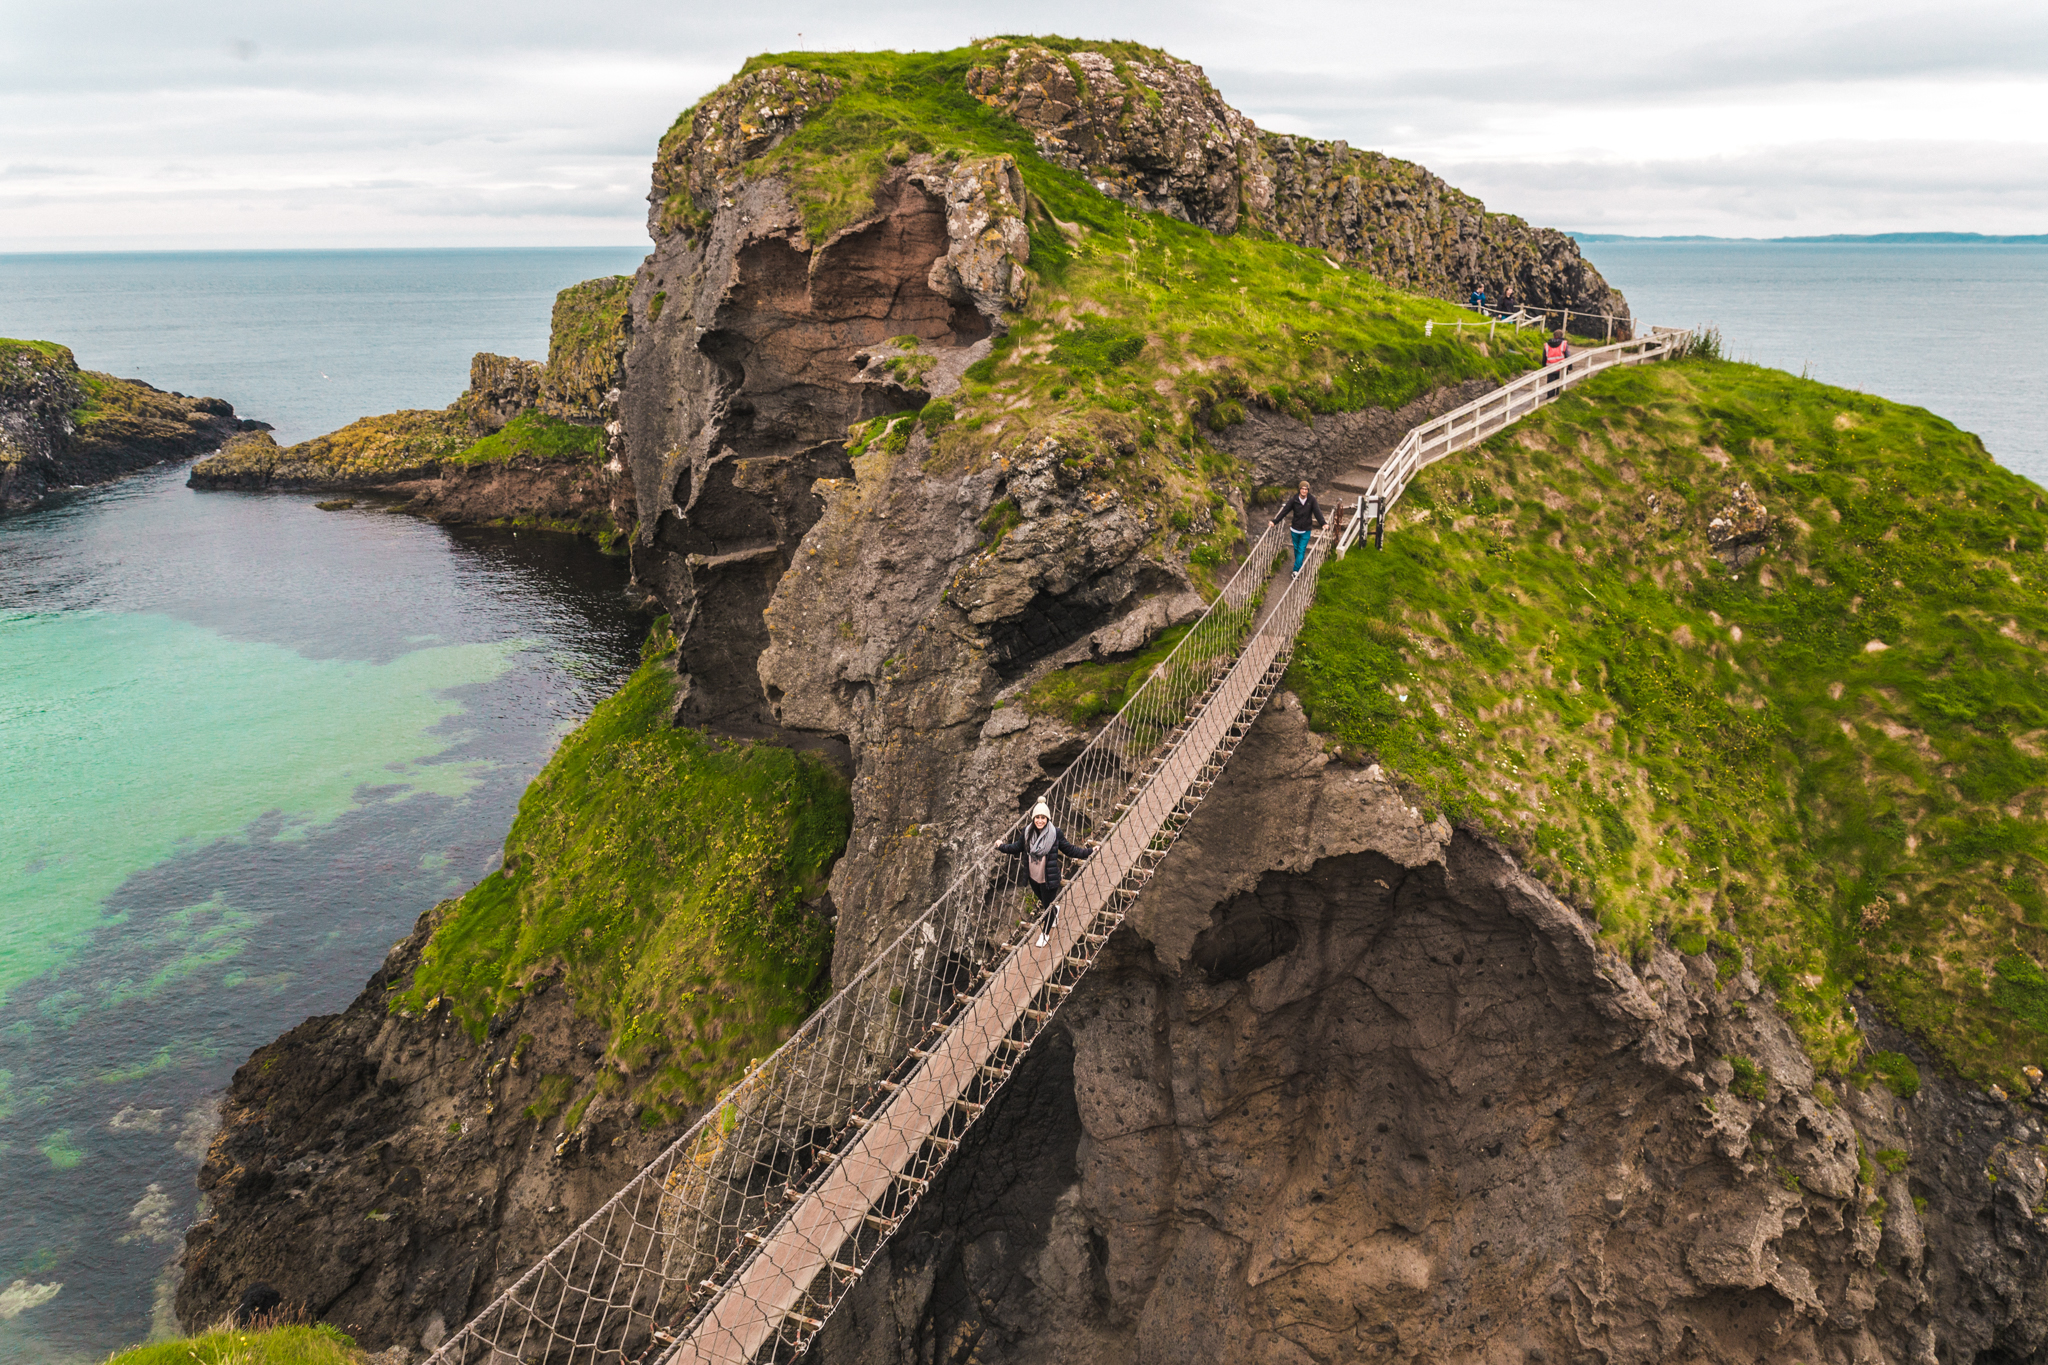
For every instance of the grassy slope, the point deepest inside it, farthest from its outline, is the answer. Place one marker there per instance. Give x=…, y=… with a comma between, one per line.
x=1084, y=693
x=666, y=872
x=294, y=1345
x=533, y=435
x=1142, y=330
x=1700, y=753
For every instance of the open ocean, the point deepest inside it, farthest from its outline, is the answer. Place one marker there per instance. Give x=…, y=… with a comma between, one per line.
x=245, y=743
x=1939, y=325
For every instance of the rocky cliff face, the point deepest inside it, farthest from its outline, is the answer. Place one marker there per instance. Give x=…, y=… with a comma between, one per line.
x=864, y=601
x=386, y=1172
x=858, y=599
x=1150, y=130
x=1353, y=1086
x=61, y=426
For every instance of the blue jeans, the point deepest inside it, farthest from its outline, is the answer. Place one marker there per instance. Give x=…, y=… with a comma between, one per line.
x=1300, y=546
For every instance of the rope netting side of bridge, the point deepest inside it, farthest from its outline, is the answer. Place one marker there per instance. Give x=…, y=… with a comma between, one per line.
x=645, y=1271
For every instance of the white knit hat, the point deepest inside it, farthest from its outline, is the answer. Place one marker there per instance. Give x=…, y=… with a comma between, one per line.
x=1041, y=809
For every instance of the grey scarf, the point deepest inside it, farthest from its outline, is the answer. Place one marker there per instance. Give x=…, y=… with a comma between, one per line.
x=1040, y=843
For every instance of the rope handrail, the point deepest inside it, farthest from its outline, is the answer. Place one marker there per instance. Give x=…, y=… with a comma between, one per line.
x=1520, y=317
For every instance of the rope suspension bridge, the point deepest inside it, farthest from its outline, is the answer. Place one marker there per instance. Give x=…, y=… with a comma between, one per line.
x=736, y=1244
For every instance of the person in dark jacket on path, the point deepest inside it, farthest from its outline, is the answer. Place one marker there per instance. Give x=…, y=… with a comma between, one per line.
x=1307, y=516
x=1041, y=843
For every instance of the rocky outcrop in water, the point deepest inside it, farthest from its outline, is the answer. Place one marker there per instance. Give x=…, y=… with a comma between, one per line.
x=526, y=444
x=1150, y=130
x=62, y=427
x=1351, y=1085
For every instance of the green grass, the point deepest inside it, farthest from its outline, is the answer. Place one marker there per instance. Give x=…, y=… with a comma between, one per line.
x=1898, y=1073
x=48, y=352
x=1682, y=750
x=664, y=874
x=318, y=1344
x=1143, y=334
x=1002, y=517
x=1749, y=1081
x=1082, y=694
x=533, y=435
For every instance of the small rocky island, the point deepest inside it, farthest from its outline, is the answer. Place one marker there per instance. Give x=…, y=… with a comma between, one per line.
x=527, y=444
x=62, y=427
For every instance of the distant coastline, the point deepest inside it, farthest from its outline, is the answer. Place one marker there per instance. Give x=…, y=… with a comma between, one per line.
x=1877, y=238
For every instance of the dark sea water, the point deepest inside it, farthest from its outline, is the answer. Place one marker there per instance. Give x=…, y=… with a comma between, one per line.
x=244, y=742
x=1940, y=325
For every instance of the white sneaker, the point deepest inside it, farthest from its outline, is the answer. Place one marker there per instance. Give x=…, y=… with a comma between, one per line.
x=1041, y=938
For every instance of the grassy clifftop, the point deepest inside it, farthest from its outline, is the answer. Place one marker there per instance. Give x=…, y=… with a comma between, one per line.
x=672, y=879
x=1141, y=335
x=1829, y=744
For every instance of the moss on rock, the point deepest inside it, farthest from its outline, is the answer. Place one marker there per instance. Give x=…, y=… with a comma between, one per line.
x=368, y=452
x=586, y=347
x=673, y=878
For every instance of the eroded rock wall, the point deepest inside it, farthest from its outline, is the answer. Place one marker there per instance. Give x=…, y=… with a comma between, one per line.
x=823, y=598
x=1283, y=449
x=1353, y=1086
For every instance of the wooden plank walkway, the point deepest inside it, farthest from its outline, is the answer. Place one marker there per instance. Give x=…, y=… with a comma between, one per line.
x=1472, y=423
x=806, y=1242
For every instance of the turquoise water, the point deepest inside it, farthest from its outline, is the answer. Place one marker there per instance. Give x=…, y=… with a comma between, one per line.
x=244, y=743
x=1943, y=326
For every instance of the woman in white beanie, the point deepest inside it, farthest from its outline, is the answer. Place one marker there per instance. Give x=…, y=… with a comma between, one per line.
x=1041, y=843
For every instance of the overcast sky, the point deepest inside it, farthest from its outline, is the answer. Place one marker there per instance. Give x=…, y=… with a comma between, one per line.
x=133, y=124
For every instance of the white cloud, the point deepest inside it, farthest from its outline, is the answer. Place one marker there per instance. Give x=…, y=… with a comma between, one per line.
x=389, y=122
x=1797, y=190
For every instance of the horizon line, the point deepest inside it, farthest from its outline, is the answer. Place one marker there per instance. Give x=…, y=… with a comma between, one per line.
x=1904, y=238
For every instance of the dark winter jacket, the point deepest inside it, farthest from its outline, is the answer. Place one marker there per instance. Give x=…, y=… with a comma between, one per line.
x=1306, y=514
x=1022, y=845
